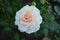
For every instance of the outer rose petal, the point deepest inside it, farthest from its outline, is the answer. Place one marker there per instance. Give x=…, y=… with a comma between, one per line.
x=28, y=27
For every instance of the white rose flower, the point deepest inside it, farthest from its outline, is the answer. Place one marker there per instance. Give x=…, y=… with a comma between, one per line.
x=28, y=19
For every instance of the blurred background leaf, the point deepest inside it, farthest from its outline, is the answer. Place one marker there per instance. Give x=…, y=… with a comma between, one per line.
x=16, y=36
x=57, y=9
x=42, y=1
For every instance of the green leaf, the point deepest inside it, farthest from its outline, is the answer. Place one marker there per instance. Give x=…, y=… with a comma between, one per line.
x=43, y=1
x=57, y=38
x=59, y=1
x=7, y=31
x=45, y=32
x=37, y=34
x=57, y=9
x=4, y=22
x=6, y=3
x=54, y=26
x=47, y=14
x=16, y=36
x=9, y=9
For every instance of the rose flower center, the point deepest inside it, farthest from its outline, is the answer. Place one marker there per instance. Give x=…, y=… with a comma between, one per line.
x=27, y=17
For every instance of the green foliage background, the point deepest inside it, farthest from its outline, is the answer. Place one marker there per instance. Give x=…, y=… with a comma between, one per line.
x=50, y=27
